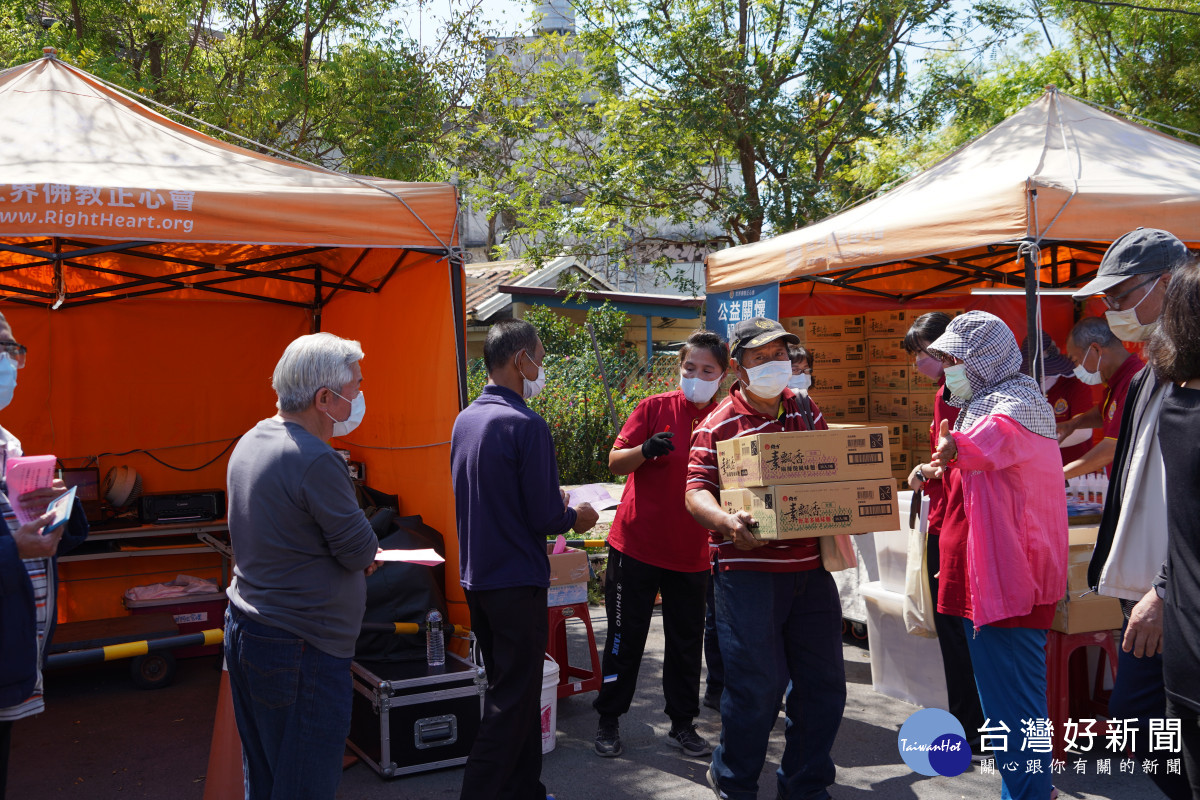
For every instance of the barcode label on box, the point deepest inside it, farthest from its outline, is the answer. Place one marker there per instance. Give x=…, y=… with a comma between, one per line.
x=876, y=510
x=864, y=458
x=851, y=443
x=865, y=494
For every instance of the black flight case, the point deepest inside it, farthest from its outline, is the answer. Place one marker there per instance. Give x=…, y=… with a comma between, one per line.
x=408, y=717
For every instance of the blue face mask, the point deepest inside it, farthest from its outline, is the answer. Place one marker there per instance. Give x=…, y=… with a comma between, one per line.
x=957, y=381
x=8, y=380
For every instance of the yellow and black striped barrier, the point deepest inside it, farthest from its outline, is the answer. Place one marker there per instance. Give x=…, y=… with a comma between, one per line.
x=116, y=652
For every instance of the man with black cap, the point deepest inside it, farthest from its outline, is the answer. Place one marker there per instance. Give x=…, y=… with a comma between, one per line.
x=778, y=612
x=1131, y=546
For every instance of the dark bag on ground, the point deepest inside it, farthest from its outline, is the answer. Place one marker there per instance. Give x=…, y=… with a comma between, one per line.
x=399, y=592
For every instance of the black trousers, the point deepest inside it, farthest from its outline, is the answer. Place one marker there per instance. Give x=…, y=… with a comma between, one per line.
x=715, y=683
x=506, y=759
x=961, y=692
x=5, y=743
x=629, y=592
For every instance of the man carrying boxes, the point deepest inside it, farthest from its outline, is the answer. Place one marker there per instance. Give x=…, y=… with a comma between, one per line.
x=776, y=604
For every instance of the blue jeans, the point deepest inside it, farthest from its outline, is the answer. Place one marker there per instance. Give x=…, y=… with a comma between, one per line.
x=759, y=616
x=1010, y=671
x=292, y=706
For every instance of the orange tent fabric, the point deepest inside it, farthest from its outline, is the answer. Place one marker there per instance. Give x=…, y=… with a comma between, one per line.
x=163, y=338
x=1058, y=173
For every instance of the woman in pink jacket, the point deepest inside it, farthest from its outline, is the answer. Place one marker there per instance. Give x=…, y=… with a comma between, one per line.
x=1004, y=538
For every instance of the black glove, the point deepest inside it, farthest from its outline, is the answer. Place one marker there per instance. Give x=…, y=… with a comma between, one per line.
x=658, y=445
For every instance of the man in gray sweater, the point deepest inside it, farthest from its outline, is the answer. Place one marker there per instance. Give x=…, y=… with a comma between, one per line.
x=302, y=548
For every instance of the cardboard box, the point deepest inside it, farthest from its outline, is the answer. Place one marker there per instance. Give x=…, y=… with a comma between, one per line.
x=769, y=459
x=1084, y=614
x=899, y=433
x=1080, y=611
x=919, y=382
x=898, y=321
x=890, y=378
x=885, y=406
x=887, y=351
x=920, y=407
x=843, y=407
x=839, y=381
x=902, y=462
x=567, y=567
x=834, y=328
x=838, y=355
x=818, y=509
x=889, y=323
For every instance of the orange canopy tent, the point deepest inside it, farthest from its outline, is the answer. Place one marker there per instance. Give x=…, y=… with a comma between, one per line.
x=1033, y=203
x=156, y=274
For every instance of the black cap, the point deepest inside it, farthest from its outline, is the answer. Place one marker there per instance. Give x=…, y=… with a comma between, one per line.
x=757, y=331
x=1144, y=251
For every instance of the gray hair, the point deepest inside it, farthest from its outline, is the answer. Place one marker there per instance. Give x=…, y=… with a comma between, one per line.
x=1093, y=330
x=311, y=363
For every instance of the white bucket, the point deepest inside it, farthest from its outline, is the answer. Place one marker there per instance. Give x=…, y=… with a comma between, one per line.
x=549, y=703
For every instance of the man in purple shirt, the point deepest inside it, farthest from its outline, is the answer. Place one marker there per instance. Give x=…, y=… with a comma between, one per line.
x=507, y=501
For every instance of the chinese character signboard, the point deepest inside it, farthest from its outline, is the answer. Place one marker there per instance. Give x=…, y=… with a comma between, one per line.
x=727, y=309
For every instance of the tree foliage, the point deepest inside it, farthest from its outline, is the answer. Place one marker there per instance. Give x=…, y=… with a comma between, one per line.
x=327, y=80
x=700, y=120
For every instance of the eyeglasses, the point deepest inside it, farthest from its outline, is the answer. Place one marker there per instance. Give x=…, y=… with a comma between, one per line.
x=14, y=351
x=1114, y=301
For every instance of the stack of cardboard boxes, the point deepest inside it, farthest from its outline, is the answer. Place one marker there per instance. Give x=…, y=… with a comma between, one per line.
x=812, y=483
x=862, y=375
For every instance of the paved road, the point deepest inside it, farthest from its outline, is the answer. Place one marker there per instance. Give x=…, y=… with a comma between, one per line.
x=102, y=739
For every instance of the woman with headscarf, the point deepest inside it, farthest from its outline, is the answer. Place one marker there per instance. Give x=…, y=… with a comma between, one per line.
x=1067, y=394
x=1004, y=537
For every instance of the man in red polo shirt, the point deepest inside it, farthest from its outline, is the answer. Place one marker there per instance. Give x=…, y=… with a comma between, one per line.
x=1099, y=356
x=777, y=606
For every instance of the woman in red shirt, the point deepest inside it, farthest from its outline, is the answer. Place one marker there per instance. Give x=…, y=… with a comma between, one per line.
x=656, y=547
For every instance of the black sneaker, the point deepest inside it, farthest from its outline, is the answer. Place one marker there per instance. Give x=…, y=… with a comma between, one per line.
x=690, y=742
x=608, y=739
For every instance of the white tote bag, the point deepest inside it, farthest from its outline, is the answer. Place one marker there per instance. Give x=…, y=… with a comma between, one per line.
x=918, y=604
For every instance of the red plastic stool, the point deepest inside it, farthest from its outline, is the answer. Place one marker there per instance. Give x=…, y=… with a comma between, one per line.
x=1069, y=693
x=556, y=646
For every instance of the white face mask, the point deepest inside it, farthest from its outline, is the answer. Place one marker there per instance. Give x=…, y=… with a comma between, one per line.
x=1091, y=378
x=358, y=409
x=770, y=379
x=8, y=380
x=531, y=389
x=957, y=381
x=698, y=390
x=1125, y=324
x=800, y=383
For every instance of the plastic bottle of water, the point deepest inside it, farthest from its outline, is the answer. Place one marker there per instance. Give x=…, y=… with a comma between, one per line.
x=435, y=645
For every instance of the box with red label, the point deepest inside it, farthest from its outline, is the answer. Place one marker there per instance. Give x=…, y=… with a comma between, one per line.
x=921, y=406
x=817, y=509
x=831, y=328
x=886, y=351
x=794, y=457
x=843, y=407
x=839, y=381
x=886, y=406
x=838, y=355
x=889, y=378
